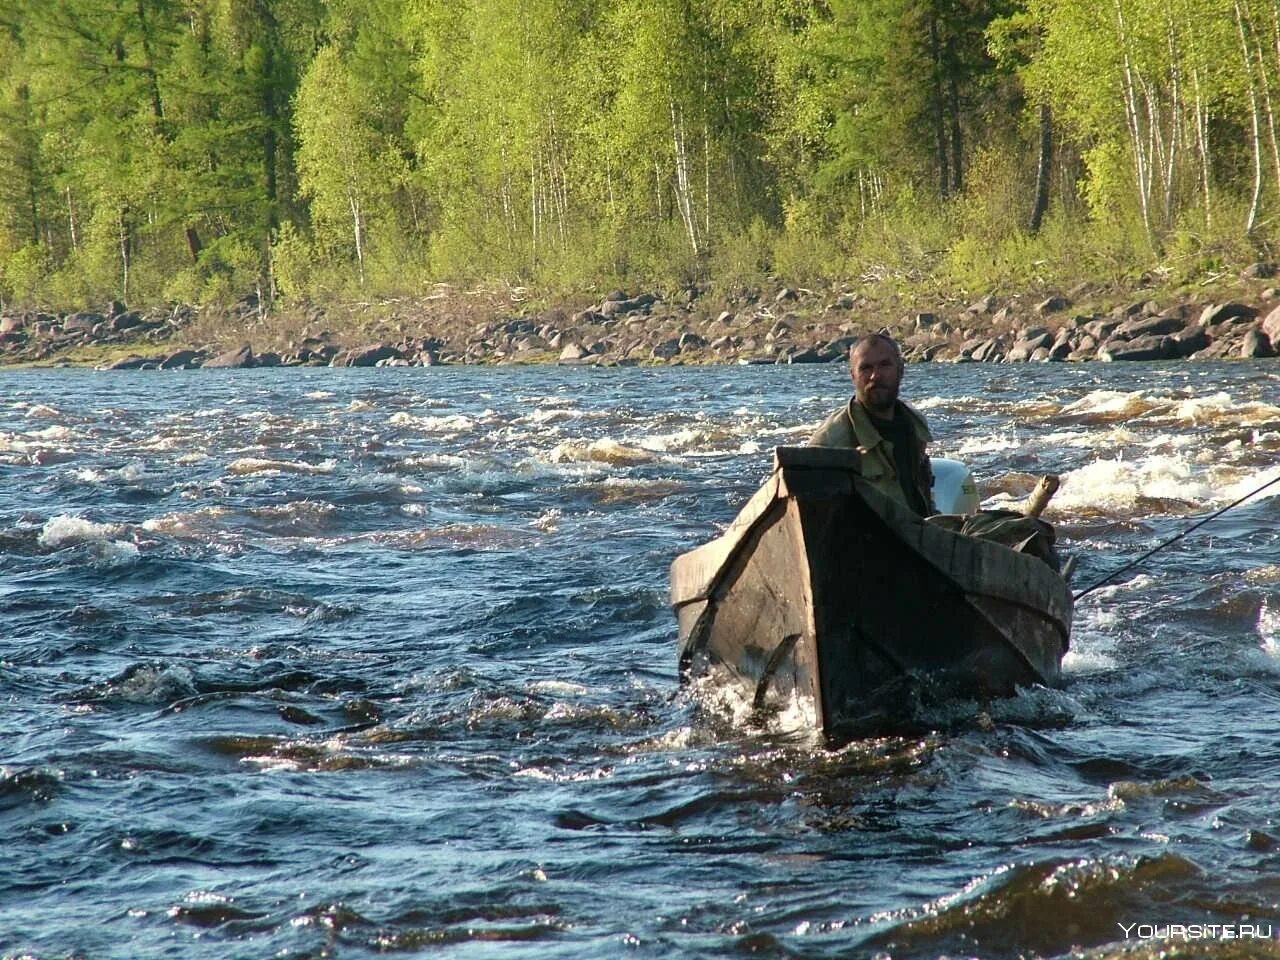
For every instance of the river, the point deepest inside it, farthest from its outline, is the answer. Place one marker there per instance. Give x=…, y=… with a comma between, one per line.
x=340, y=663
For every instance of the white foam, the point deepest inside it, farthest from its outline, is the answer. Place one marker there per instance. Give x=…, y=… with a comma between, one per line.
x=1110, y=402
x=64, y=530
x=558, y=688
x=989, y=444
x=249, y=465
x=452, y=423
x=1117, y=485
x=56, y=432
x=40, y=410
x=685, y=439
x=114, y=553
x=604, y=450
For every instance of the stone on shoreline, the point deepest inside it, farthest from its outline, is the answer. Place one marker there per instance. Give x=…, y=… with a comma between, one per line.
x=239, y=358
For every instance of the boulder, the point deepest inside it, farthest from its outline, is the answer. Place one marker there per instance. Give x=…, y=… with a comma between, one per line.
x=1140, y=327
x=692, y=341
x=986, y=304
x=1271, y=327
x=236, y=359
x=179, y=360
x=1256, y=345
x=1025, y=348
x=990, y=350
x=1259, y=271
x=127, y=363
x=666, y=350
x=1003, y=315
x=1216, y=313
x=82, y=322
x=1190, y=339
x=573, y=351
x=1052, y=305
x=1144, y=348
x=1060, y=350
x=125, y=321
x=370, y=355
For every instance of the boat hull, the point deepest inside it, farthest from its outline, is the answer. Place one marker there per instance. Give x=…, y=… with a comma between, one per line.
x=825, y=590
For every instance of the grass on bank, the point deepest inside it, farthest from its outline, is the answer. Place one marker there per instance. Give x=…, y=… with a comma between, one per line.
x=911, y=255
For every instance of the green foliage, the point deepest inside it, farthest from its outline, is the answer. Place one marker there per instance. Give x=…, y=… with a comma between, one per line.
x=196, y=149
x=23, y=274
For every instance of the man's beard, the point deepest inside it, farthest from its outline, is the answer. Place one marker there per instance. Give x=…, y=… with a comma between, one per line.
x=881, y=399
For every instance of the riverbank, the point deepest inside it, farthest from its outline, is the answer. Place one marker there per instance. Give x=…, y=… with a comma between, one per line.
x=1234, y=316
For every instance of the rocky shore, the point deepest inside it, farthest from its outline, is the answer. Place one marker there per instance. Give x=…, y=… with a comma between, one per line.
x=1240, y=319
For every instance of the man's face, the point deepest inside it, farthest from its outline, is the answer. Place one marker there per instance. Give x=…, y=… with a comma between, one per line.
x=877, y=373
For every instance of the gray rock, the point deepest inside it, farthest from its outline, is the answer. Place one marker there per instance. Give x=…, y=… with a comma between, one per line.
x=1140, y=327
x=809, y=355
x=778, y=331
x=179, y=359
x=1052, y=305
x=1025, y=348
x=1256, y=345
x=82, y=322
x=1217, y=313
x=1144, y=348
x=990, y=350
x=666, y=350
x=127, y=363
x=573, y=351
x=1190, y=339
x=1259, y=271
x=1060, y=350
x=1271, y=327
x=231, y=360
x=370, y=355
x=125, y=321
x=986, y=304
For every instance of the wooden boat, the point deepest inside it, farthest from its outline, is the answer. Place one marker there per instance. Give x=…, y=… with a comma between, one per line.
x=827, y=591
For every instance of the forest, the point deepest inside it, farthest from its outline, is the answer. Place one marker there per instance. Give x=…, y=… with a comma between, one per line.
x=197, y=150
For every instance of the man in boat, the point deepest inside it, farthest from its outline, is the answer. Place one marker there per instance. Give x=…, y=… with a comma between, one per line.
x=891, y=435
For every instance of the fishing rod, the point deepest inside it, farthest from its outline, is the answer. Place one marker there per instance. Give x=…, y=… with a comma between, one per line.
x=1195, y=526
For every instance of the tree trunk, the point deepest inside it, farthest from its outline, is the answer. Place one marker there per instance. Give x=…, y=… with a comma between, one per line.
x=939, y=119
x=683, y=198
x=1202, y=146
x=1255, y=203
x=957, y=141
x=1044, y=169
x=124, y=253
x=1134, y=119
x=358, y=229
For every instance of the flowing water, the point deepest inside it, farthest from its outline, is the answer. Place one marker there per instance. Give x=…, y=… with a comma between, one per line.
x=338, y=663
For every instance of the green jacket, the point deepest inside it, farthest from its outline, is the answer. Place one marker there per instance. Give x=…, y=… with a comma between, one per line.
x=853, y=426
